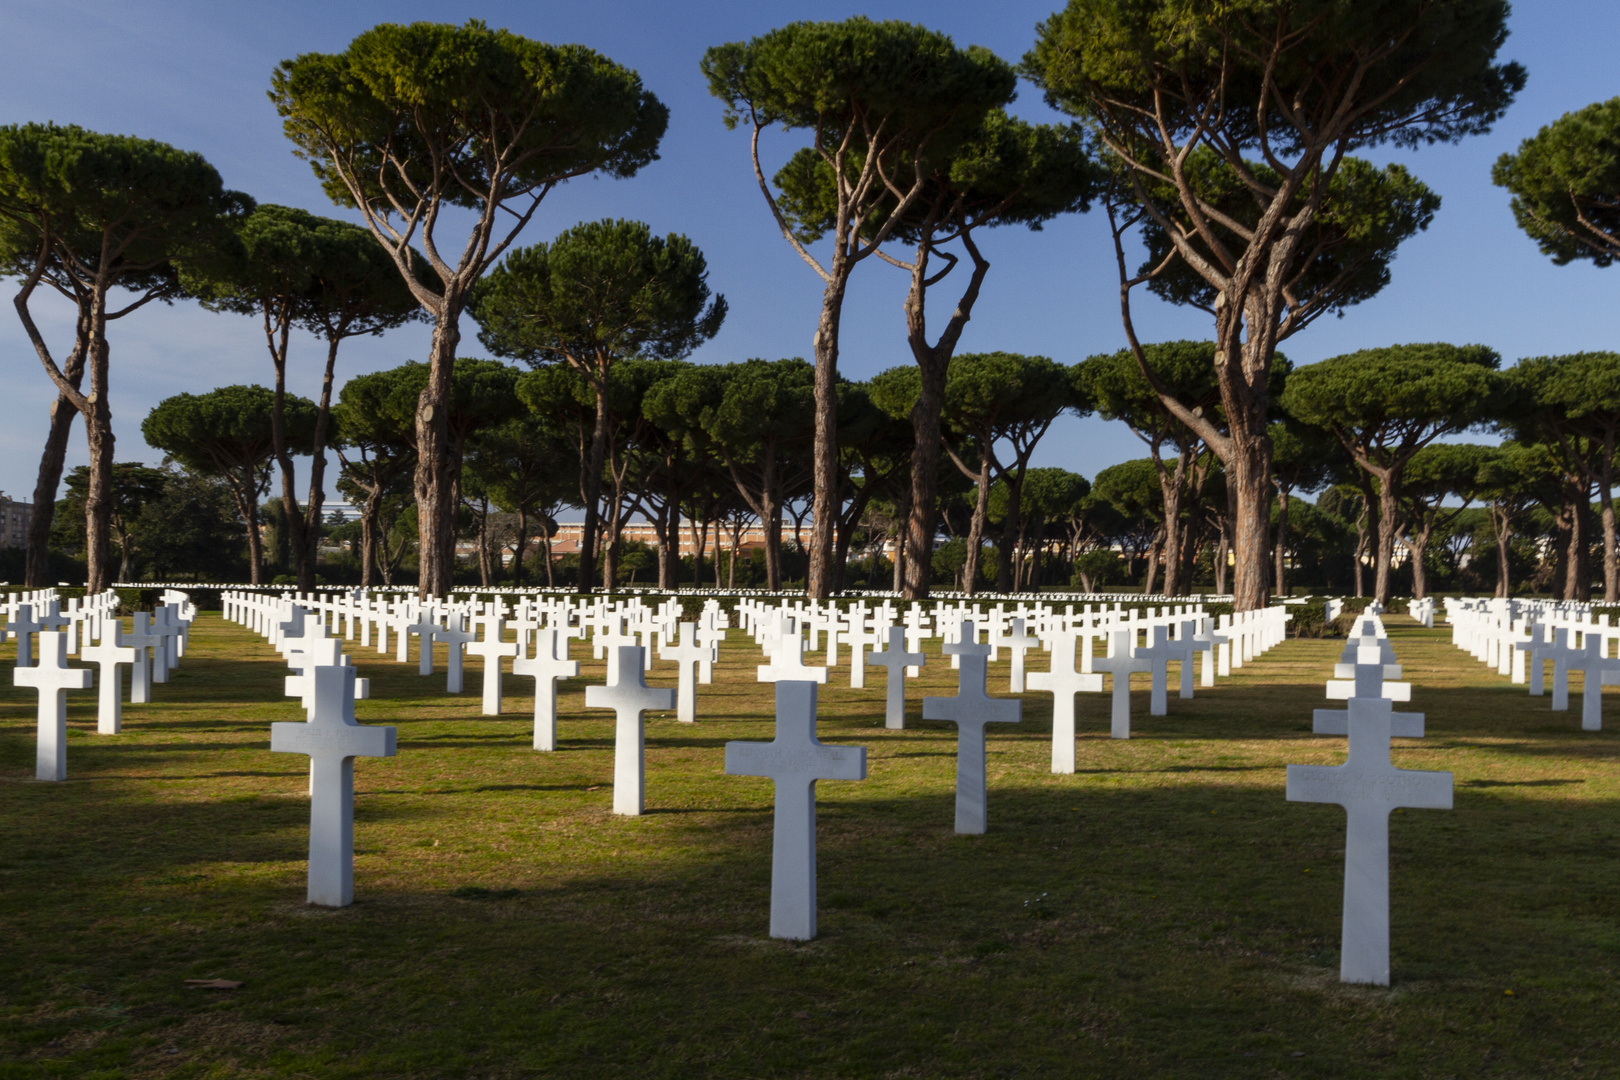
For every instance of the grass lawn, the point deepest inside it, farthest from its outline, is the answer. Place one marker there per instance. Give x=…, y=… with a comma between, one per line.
x=1162, y=912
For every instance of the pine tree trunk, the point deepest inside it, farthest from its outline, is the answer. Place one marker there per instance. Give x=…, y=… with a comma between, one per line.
x=825, y=453
x=37, y=565
x=435, y=483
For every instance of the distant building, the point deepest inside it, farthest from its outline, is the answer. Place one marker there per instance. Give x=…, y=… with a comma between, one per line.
x=14, y=519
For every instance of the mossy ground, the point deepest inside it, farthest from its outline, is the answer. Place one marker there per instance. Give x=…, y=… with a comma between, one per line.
x=1162, y=912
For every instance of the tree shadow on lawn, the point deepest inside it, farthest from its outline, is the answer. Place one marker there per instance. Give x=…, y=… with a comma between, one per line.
x=1095, y=930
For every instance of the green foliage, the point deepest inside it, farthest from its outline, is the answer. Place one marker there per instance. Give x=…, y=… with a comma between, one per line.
x=1131, y=489
x=325, y=275
x=1114, y=384
x=1401, y=71
x=1394, y=400
x=601, y=290
x=482, y=393
x=226, y=430
x=138, y=203
x=1565, y=182
x=861, y=76
x=987, y=394
x=190, y=530
x=466, y=114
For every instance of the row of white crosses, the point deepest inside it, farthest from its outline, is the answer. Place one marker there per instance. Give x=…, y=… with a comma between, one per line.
x=150, y=648
x=1519, y=638
x=543, y=631
x=1369, y=787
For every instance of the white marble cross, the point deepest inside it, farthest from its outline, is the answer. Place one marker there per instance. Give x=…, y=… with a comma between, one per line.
x=1368, y=786
x=858, y=637
x=795, y=760
x=332, y=739
x=113, y=652
x=1209, y=642
x=425, y=628
x=688, y=655
x=1063, y=681
x=629, y=697
x=1368, y=675
x=456, y=638
x=142, y=638
x=53, y=679
x=492, y=648
x=787, y=663
x=23, y=627
x=896, y=659
x=1159, y=655
x=1597, y=669
x=1018, y=642
x=970, y=710
x=1121, y=665
x=710, y=636
x=546, y=667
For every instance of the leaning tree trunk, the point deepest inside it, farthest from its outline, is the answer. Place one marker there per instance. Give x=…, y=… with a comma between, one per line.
x=975, y=539
x=37, y=564
x=1504, y=537
x=435, y=483
x=825, y=454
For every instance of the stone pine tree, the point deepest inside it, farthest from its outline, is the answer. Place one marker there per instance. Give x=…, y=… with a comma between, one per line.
x=880, y=102
x=1005, y=172
x=1511, y=481
x=375, y=417
x=1205, y=108
x=227, y=433
x=102, y=220
x=1565, y=183
x=1576, y=402
x=291, y=268
x=1438, y=473
x=1115, y=383
x=600, y=292
x=426, y=128
x=1384, y=405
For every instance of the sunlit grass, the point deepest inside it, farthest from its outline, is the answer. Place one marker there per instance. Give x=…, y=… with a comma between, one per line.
x=1162, y=912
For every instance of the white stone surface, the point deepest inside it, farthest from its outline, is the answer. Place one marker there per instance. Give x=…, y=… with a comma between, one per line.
x=1063, y=682
x=1120, y=665
x=1368, y=786
x=456, y=639
x=109, y=656
x=688, y=655
x=52, y=678
x=492, y=648
x=787, y=663
x=629, y=697
x=332, y=740
x=546, y=667
x=896, y=659
x=795, y=760
x=970, y=710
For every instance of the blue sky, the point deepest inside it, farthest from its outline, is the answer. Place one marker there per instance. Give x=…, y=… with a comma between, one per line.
x=194, y=74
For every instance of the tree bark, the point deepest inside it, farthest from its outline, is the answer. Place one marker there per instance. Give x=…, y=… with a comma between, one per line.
x=1280, y=549
x=1504, y=537
x=317, y=463
x=975, y=537
x=435, y=482
x=590, y=490
x=825, y=453
x=37, y=571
